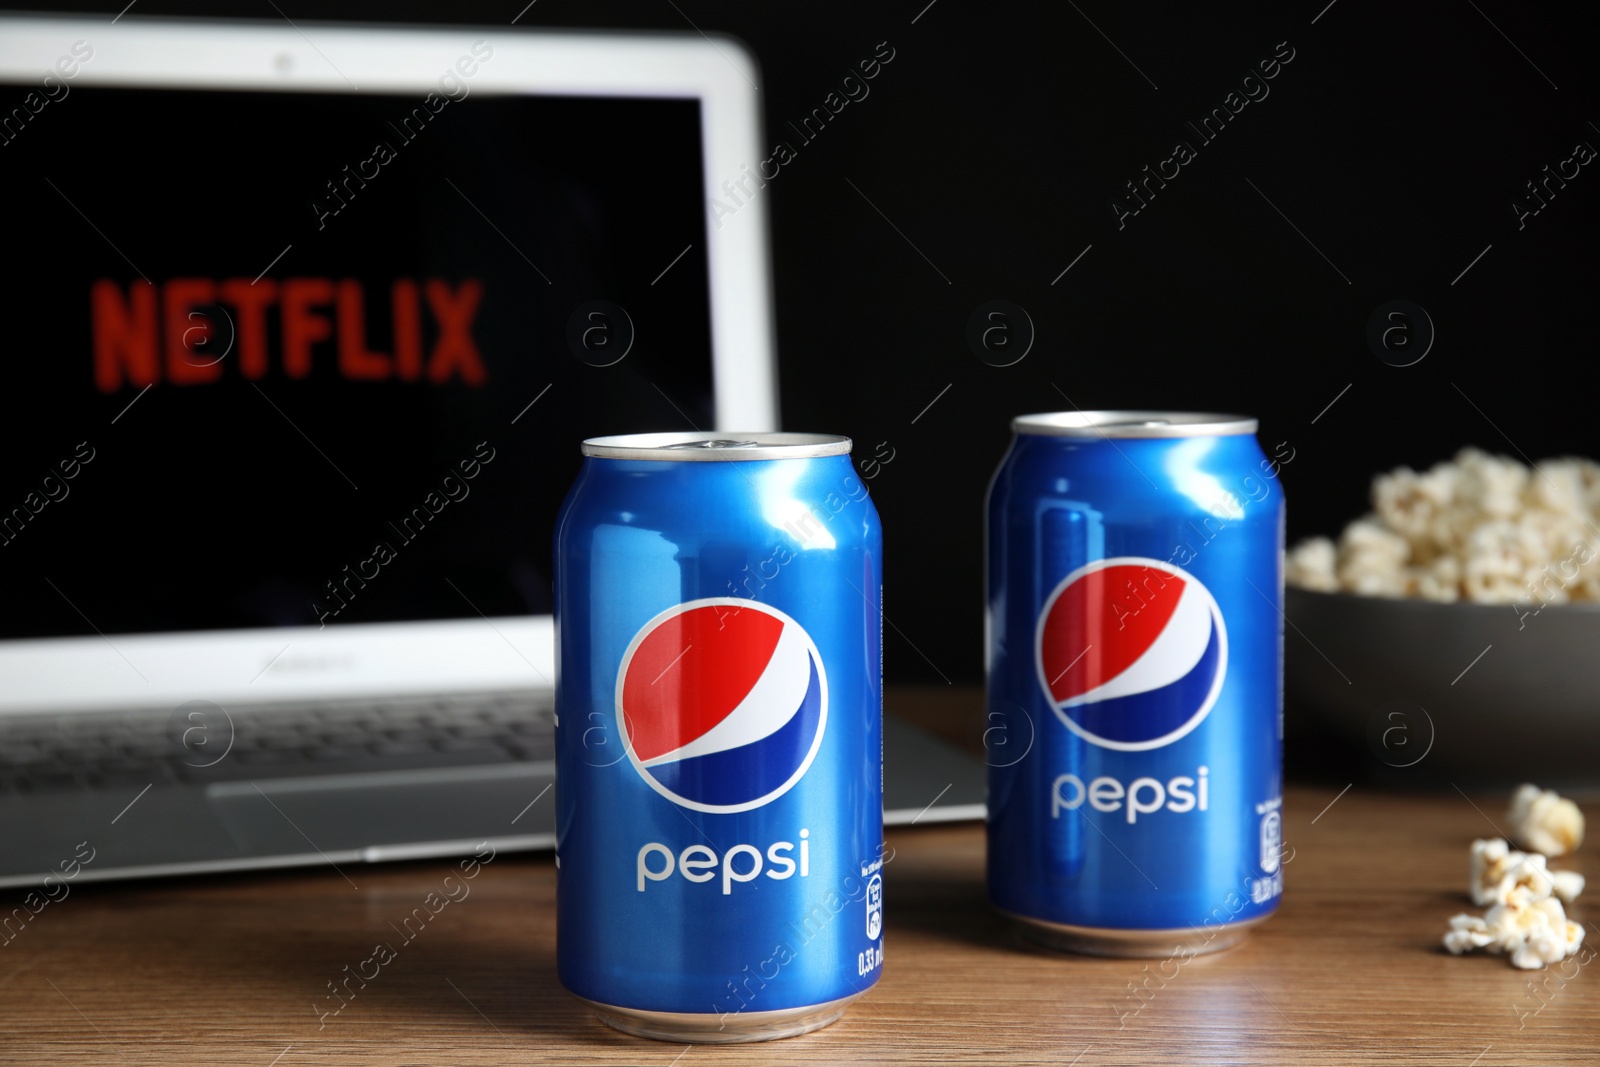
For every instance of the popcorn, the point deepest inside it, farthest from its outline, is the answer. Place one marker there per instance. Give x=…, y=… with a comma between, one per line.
x=1408, y=502
x=1527, y=920
x=1496, y=870
x=1533, y=934
x=1451, y=528
x=1566, y=885
x=1495, y=483
x=1555, y=538
x=1479, y=527
x=1439, y=580
x=1372, y=559
x=1467, y=932
x=1567, y=486
x=1311, y=565
x=1547, y=946
x=1501, y=556
x=1532, y=930
x=1544, y=821
x=1499, y=871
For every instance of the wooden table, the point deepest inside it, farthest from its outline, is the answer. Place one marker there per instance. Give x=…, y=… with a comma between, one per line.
x=234, y=970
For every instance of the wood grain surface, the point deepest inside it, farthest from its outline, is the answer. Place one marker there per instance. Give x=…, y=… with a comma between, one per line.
x=236, y=970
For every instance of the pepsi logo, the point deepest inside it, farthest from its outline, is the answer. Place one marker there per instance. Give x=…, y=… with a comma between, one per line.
x=1131, y=652
x=722, y=704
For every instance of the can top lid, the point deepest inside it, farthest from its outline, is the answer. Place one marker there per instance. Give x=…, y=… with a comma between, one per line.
x=1105, y=424
x=710, y=447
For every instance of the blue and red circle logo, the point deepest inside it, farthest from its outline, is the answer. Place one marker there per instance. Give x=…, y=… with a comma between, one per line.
x=722, y=703
x=1131, y=652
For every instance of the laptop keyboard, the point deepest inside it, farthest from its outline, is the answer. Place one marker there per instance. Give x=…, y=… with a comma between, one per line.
x=202, y=742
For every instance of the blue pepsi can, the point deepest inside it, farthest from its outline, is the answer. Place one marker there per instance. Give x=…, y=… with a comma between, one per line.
x=719, y=785
x=1135, y=636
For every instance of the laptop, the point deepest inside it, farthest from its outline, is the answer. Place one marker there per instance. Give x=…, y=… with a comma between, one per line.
x=309, y=328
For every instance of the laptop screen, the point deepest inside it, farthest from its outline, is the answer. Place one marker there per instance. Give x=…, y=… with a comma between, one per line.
x=289, y=359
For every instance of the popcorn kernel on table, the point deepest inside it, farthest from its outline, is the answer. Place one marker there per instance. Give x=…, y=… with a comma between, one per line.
x=1527, y=920
x=1544, y=821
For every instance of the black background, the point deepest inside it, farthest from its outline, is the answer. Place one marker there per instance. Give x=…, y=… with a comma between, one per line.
x=995, y=142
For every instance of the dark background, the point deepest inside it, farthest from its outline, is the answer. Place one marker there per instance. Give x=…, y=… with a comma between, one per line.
x=986, y=159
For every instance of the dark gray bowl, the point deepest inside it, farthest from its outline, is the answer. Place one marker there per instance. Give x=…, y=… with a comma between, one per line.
x=1465, y=693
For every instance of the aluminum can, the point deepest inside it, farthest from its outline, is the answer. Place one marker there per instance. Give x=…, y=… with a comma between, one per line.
x=1135, y=655
x=719, y=752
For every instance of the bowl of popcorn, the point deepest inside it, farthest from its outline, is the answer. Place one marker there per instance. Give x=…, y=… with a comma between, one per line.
x=1456, y=628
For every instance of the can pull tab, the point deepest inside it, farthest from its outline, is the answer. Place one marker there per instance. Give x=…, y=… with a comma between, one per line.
x=1135, y=422
x=718, y=443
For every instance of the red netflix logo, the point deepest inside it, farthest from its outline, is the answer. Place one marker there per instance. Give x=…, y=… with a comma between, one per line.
x=153, y=332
